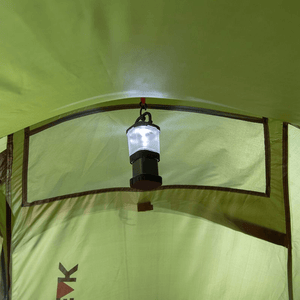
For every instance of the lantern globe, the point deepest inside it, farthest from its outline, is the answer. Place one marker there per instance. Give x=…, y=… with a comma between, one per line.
x=143, y=137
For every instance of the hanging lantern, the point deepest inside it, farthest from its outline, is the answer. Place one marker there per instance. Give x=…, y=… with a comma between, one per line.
x=144, y=152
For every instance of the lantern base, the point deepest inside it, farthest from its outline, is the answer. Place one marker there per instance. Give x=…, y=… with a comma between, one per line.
x=145, y=182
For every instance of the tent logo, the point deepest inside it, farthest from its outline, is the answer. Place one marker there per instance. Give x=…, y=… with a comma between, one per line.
x=62, y=288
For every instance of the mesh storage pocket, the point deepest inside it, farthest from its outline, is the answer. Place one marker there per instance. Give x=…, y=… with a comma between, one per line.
x=90, y=153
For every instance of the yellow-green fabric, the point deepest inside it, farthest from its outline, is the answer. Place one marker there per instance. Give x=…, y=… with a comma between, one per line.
x=123, y=254
x=3, y=243
x=189, y=247
x=267, y=212
x=57, y=56
x=294, y=192
x=3, y=142
x=234, y=56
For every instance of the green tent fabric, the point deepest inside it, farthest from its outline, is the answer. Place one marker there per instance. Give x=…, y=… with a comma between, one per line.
x=221, y=81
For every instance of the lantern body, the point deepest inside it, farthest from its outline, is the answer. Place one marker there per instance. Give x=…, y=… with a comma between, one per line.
x=143, y=137
x=144, y=152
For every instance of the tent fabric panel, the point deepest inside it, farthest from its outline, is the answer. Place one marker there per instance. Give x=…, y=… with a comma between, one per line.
x=123, y=254
x=133, y=103
x=224, y=208
x=174, y=106
x=33, y=223
x=3, y=273
x=80, y=53
x=294, y=195
x=213, y=204
x=5, y=237
x=3, y=144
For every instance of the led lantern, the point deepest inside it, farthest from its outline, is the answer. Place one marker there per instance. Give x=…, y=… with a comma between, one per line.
x=144, y=152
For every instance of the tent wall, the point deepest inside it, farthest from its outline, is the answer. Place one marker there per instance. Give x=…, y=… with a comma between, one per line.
x=232, y=203
x=124, y=254
x=196, y=243
x=227, y=229
x=57, y=56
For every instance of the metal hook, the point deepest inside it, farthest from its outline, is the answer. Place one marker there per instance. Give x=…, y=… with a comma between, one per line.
x=142, y=118
x=143, y=106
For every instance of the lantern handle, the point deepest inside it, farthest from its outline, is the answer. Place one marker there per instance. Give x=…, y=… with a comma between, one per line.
x=143, y=118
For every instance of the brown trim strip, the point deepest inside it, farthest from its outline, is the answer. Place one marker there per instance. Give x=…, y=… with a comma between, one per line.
x=267, y=156
x=212, y=188
x=257, y=231
x=287, y=208
x=8, y=209
x=248, y=228
x=8, y=245
x=152, y=106
x=125, y=189
x=234, y=223
x=3, y=280
x=206, y=112
x=58, y=198
x=9, y=167
x=28, y=133
x=25, y=166
x=3, y=166
x=260, y=232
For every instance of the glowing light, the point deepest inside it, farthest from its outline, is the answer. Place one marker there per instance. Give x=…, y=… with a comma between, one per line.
x=143, y=138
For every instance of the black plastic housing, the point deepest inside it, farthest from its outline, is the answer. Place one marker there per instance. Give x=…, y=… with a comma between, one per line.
x=145, y=170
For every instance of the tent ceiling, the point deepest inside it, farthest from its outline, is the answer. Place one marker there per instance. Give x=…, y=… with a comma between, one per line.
x=57, y=56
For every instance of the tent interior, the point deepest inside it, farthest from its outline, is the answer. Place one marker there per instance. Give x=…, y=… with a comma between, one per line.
x=221, y=80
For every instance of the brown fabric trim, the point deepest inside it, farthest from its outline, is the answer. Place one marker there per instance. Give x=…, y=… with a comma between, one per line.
x=257, y=231
x=267, y=157
x=3, y=166
x=287, y=208
x=152, y=106
x=260, y=232
x=213, y=188
x=251, y=229
x=206, y=112
x=3, y=280
x=9, y=167
x=125, y=189
x=75, y=195
x=8, y=244
x=25, y=166
x=8, y=209
x=29, y=132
